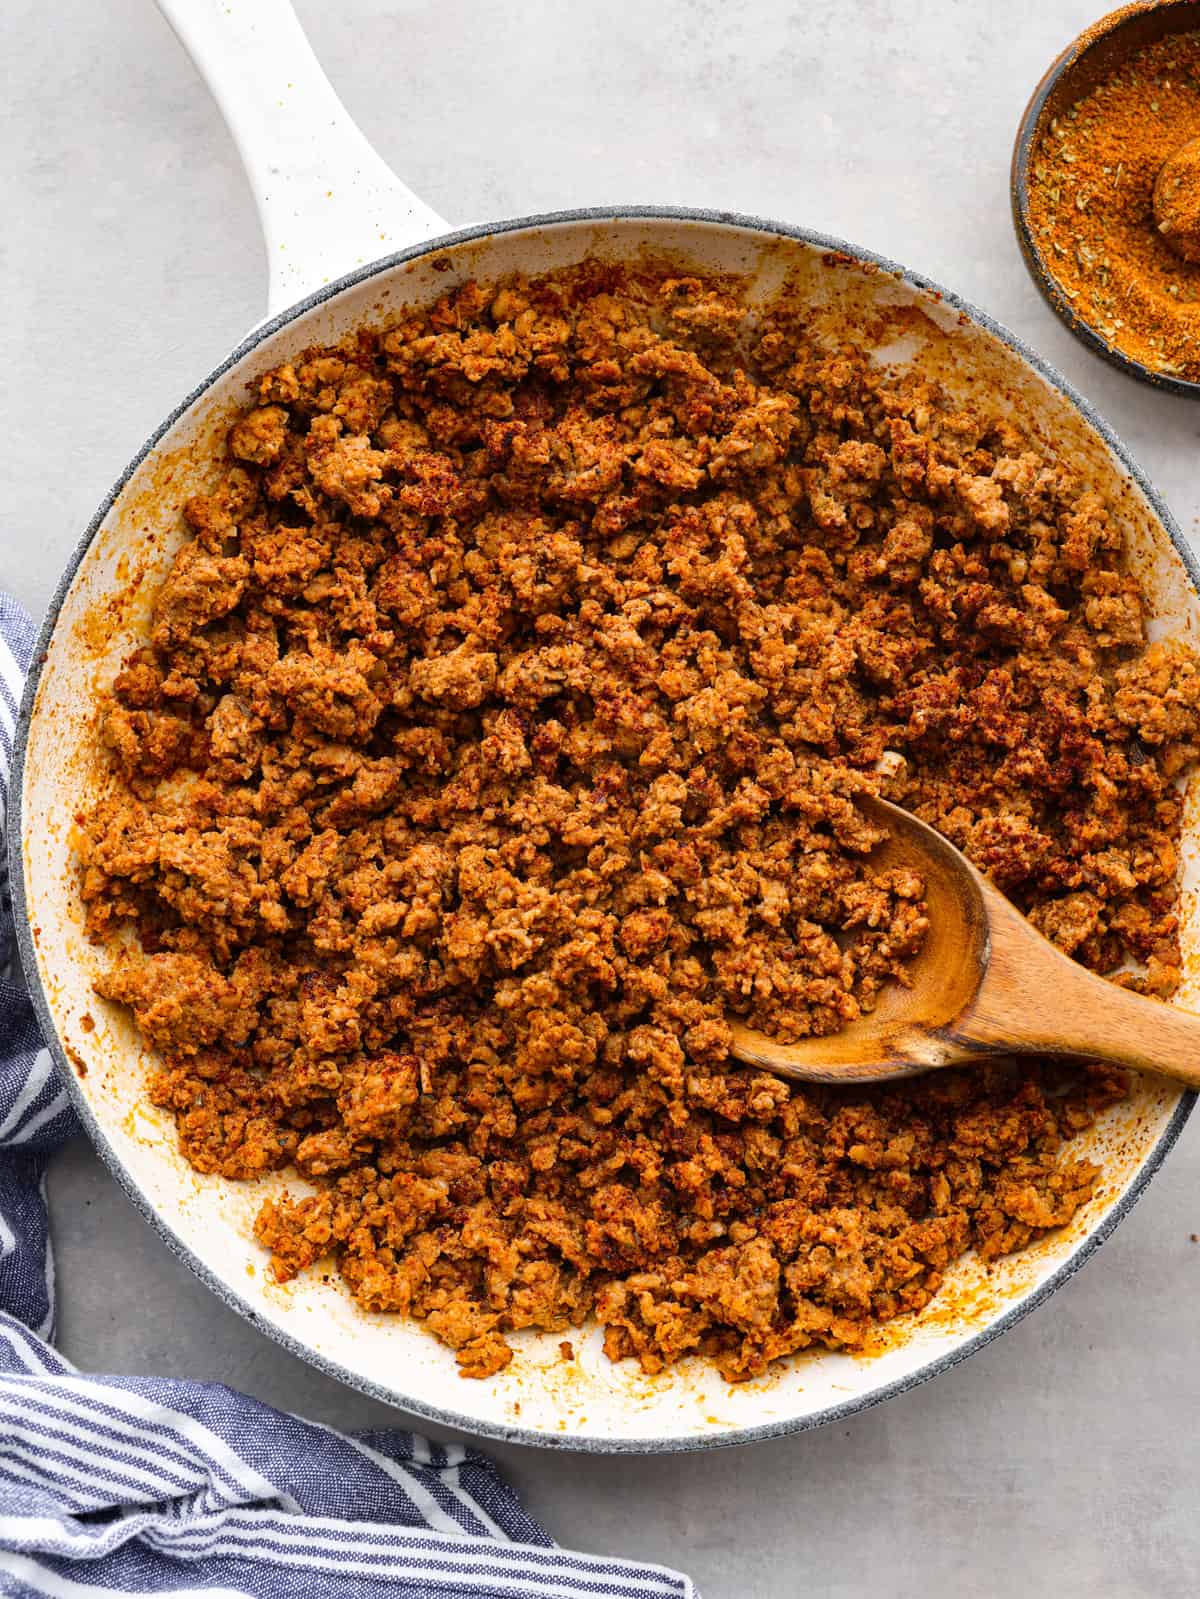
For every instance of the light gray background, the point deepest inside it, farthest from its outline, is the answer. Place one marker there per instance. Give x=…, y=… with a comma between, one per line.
x=1065, y=1456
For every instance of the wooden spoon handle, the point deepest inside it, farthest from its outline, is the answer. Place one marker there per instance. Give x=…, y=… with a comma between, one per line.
x=1036, y=1000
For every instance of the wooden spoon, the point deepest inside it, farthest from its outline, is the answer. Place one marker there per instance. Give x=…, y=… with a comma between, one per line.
x=984, y=983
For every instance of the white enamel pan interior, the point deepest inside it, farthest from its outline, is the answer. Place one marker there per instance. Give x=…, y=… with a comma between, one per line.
x=330, y=205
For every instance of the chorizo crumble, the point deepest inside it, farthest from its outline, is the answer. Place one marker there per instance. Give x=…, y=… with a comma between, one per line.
x=497, y=738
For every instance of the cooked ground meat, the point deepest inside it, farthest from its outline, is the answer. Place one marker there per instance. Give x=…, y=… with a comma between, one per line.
x=497, y=738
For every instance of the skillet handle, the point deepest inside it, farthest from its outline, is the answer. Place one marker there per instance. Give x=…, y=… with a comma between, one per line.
x=326, y=201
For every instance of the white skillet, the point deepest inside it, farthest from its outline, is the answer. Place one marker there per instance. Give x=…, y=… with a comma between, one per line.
x=348, y=242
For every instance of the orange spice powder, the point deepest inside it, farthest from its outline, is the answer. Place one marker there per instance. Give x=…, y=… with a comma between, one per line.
x=1091, y=207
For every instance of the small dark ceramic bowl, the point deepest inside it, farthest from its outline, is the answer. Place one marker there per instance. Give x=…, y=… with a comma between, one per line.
x=1082, y=65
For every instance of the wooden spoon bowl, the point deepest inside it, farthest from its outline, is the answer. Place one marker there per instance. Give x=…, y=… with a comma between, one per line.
x=985, y=983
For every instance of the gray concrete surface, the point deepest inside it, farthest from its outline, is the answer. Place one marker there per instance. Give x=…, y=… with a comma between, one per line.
x=1066, y=1456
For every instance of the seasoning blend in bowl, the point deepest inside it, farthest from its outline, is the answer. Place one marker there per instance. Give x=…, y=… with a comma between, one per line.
x=1107, y=192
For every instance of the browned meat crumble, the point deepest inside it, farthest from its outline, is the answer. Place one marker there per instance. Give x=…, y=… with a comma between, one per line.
x=497, y=738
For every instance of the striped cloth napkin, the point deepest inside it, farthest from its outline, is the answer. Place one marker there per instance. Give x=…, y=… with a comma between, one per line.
x=148, y=1485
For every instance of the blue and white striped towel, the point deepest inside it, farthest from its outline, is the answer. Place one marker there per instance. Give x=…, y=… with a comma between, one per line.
x=145, y=1485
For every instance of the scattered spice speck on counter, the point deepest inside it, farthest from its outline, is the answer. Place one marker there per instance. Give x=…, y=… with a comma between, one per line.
x=1114, y=206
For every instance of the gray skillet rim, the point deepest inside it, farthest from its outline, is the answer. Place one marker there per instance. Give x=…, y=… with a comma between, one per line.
x=15, y=831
